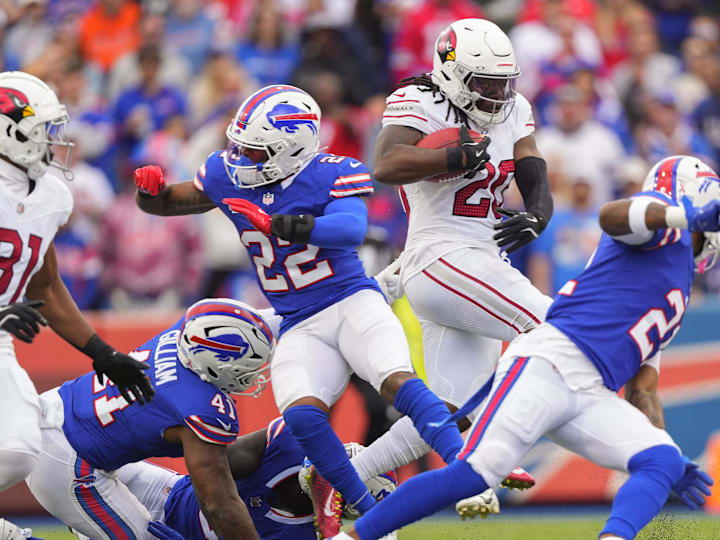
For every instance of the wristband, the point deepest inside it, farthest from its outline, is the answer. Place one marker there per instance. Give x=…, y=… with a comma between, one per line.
x=636, y=215
x=675, y=217
x=96, y=348
x=454, y=159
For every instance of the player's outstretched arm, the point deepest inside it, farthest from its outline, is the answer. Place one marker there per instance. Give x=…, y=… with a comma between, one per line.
x=155, y=197
x=641, y=391
x=246, y=454
x=214, y=486
x=398, y=161
x=66, y=320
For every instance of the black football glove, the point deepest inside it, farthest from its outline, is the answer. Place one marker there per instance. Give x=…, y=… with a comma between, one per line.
x=519, y=229
x=121, y=369
x=22, y=320
x=476, y=155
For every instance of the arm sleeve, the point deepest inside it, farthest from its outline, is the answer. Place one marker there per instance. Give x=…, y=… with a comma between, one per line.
x=532, y=181
x=342, y=225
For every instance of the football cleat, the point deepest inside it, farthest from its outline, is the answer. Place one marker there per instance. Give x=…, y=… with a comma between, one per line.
x=518, y=479
x=484, y=504
x=327, y=504
x=10, y=531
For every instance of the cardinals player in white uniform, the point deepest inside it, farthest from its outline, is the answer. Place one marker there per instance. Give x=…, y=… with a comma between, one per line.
x=466, y=295
x=34, y=203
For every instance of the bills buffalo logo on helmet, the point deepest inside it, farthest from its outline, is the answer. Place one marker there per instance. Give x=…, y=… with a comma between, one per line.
x=446, y=45
x=14, y=104
x=289, y=118
x=225, y=347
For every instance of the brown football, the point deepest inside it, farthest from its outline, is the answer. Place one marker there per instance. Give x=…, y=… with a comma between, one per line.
x=446, y=138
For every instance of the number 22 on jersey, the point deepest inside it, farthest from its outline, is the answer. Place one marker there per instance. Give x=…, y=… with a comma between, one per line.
x=298, y=277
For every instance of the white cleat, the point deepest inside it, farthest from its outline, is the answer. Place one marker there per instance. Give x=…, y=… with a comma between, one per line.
x=484, y=504
x=10, y=531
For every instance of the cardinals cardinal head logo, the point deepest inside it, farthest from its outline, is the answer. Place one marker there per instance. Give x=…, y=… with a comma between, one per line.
x=446, y=45
x=14, y=104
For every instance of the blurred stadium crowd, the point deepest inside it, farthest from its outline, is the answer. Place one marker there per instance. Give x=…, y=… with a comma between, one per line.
x=616, y=85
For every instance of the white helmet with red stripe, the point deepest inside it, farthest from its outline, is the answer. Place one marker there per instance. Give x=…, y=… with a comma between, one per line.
x=281, y=120
x=227, y=343
x=687, y=176
x=474, y=66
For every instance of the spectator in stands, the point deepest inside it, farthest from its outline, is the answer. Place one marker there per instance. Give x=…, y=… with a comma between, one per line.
x=706, y=116
x=190, y=32
x=565, y=246
x=31, y=35
x=173, y=70
x=222, y=83
x=109, y=30
x=418, y=29
x=269, y=54
x=147, y=107
x=557, y=37
x=665, y=132
x=646, y=70
x=8, y=61
x=631, y=173
x=583, y=146
x=690, y=87
x=161, y=270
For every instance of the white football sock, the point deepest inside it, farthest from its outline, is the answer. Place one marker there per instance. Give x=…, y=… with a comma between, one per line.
x=400, y=445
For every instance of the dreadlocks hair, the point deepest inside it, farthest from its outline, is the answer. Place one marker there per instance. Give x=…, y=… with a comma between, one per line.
x=426, y=84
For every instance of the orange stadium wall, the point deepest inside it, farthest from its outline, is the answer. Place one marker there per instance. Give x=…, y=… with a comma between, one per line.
x=689, y=389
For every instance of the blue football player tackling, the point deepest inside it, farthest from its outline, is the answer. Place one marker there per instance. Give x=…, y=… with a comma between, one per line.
x=301, y=216
x=604, y=328
x=265, y=465
x=89, y=430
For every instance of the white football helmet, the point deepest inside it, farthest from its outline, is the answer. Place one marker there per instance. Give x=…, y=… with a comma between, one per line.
x=687, y=176
x=474, y=66
x=227, y=343
x=31, y=120
x=281, y=120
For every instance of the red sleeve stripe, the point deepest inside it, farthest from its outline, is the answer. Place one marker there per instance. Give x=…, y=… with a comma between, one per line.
x=351, y=191
x=278, y=429
x=271, y=428
x=209, y=427
x=404, y=115
x=201, y=171
x=353, y=179
x=198, y=183
x=404, y=101
x=530, y=124
x=208, y=438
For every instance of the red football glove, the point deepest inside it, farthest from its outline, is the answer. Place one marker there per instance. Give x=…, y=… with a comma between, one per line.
x=150, y=180
x=259, y=218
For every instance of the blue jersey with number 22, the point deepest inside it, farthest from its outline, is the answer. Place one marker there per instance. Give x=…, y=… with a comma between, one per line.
x=298, y=280
x=629, y=301
x=107, y=432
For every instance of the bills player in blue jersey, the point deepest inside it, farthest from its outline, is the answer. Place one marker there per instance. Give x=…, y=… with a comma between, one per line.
x=265, y=466
x=603, y=329
x=89, y=430
x=301, y=216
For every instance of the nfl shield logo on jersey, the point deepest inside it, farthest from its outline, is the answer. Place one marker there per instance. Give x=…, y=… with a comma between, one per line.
x=268, y=198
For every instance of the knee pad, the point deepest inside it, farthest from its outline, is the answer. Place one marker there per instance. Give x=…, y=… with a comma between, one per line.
x=15, y=467
x=663, y=459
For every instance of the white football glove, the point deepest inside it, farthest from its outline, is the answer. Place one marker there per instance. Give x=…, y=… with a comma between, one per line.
x=389, y=281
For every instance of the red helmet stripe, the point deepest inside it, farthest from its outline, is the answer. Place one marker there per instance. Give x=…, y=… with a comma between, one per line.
x=258, y=98
x=216, y=344
x=296, y=116
x=218, y=307
x=665, y=177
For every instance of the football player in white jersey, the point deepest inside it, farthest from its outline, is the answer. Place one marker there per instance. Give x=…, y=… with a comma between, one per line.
x=466, y=295
x=34, y=203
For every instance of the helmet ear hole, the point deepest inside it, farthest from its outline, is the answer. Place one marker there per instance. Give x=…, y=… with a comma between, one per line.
x=20, y=137
x=212, y=373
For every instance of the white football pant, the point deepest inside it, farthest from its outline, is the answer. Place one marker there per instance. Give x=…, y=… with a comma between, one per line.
x=467, y=303
x=19, y=420
x=544, y=385
x=316, y=357
x=92, y=501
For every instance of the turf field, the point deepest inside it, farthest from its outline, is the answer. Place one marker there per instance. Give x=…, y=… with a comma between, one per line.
x=683, y=526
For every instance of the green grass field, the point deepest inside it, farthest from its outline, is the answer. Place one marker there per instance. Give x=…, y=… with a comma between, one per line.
x=664, y=527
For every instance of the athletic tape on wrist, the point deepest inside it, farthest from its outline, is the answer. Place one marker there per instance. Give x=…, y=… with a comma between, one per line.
x=675, y=217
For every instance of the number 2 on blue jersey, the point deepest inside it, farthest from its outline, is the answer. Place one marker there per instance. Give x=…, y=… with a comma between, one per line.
x=656, y=318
